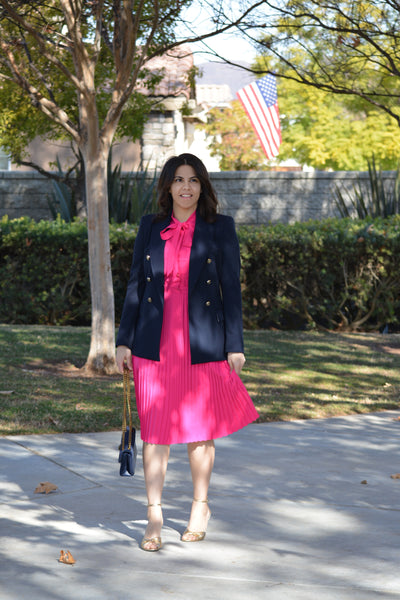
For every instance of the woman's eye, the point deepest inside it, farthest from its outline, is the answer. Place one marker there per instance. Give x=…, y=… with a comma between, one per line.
x=180, y=179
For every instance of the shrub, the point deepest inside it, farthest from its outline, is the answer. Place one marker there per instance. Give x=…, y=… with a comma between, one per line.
x=132, y=195
x=372, y=198
x=43, y=272
x=334, y=274
x=44, y=275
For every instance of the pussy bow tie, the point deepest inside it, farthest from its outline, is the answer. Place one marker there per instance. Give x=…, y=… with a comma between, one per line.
x=176, y=229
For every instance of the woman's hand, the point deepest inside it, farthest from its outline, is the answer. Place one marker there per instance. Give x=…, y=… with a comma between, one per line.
x=236, y=361
x=123, y=356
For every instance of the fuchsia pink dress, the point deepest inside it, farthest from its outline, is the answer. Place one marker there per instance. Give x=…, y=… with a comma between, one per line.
x=179, y=402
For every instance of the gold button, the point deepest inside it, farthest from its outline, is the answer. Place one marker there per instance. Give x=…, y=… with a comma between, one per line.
x=209, y=260
x=148, y=257
x=148, y=278
x=149, y=299
x=208, y=281
x=208, y=303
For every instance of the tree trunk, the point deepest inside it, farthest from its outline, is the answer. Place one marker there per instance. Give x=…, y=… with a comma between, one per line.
x=101, y=358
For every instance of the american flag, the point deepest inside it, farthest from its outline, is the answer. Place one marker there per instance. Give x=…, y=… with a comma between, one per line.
x=260, y=101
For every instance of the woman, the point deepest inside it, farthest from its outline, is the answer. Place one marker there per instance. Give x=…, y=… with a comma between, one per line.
x=181, y=332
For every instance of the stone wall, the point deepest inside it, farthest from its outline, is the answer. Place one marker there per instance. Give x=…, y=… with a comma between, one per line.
x=23, y=193
x=158, y=138
x=250, y=197
x=286, y=197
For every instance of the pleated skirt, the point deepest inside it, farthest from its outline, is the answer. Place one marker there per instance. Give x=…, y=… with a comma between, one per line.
x=179, y=402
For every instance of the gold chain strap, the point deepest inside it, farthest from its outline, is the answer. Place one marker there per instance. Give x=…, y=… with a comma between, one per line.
x=127, y=409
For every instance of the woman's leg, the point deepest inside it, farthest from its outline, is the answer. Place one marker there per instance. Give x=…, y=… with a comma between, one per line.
x=155, y=462
x=201, y=460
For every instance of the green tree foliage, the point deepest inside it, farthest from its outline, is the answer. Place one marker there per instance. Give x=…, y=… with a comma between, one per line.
x=345, y=47
x=319, y=129
x=232, y=139
x=327, y=131
x=20, y=119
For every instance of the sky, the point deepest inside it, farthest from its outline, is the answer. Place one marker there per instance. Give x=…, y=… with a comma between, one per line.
x=231, y=46
x=227, y=46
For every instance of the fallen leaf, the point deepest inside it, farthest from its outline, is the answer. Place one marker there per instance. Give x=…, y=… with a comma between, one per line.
x=45, y=487
x=364, y=481
x=396, y=476
x=66, y=558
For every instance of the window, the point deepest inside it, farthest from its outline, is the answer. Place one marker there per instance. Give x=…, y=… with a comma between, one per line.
x=4, y=160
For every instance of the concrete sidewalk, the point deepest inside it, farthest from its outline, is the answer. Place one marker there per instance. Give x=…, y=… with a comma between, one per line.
x=291, y=518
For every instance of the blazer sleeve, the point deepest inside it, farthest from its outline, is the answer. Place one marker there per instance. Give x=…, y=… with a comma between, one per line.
x=229, y=275
x=136, y=284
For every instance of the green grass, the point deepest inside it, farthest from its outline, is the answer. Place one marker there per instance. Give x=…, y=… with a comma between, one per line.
x=290, y=375
x=301, y=375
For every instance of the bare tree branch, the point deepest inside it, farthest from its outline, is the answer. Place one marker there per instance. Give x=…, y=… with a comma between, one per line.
x=41, y=43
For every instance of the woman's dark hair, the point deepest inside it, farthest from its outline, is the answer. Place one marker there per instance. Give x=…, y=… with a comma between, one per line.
x=207, y=206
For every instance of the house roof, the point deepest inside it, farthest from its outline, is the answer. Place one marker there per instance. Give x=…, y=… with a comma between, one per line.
x=175, y=66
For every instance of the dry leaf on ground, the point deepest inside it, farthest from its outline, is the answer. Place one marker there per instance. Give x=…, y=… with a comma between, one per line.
x=396, y=476
x=66, y=558
x=45, y=487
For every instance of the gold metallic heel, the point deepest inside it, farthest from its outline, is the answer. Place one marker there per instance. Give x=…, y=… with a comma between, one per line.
x=156, y=541
x=195, y=536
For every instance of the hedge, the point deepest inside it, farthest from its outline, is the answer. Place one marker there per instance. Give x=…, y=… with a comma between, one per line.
x=44, y=275
x=332, y=274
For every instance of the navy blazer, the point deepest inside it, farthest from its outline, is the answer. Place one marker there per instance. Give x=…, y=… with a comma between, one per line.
x=215, y=303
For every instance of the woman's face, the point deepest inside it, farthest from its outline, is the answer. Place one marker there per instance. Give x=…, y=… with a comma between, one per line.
x=185, y=191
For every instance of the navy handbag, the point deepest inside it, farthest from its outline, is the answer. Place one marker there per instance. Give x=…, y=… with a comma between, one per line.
x=127, y=449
